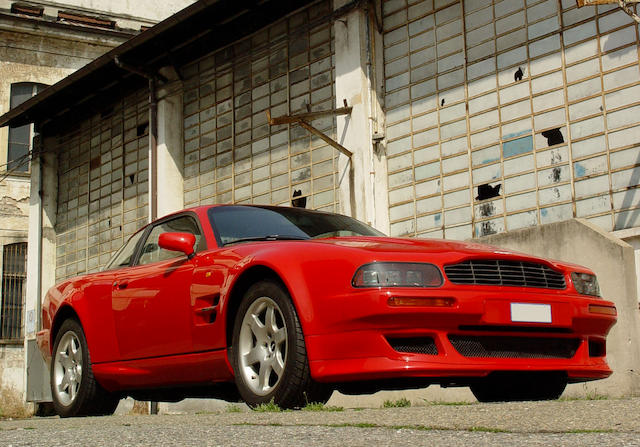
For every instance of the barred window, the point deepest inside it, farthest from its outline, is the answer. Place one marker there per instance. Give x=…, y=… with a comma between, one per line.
x=14, y=274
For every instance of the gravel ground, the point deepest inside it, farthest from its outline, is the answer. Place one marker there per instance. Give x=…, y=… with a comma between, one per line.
x=612, y=422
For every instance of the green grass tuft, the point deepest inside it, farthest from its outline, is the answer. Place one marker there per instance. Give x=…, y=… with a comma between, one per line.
x=400, y=403
x=317, y=406
x=269, y=407
x=233, y=408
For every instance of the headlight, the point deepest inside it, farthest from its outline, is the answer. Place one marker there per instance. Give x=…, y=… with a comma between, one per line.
x=397, y=274
x=585, y=283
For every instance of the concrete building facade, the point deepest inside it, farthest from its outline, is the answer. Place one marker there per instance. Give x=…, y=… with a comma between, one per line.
x=465, y=119
x=42, y=43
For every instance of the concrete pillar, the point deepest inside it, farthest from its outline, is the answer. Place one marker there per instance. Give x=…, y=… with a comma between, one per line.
x=41, y=265
x=363, y=188
x=170, y=151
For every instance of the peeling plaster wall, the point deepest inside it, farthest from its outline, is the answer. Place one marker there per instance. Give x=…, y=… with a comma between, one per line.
x=12, y=367
x=32, y=51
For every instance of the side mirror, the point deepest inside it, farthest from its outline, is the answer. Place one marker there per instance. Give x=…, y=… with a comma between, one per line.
x=183, y=242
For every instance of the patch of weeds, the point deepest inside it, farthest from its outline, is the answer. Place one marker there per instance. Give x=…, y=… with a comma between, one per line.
x=318, y=406
x=400, y=403
x=233, y=408
x=269, y=407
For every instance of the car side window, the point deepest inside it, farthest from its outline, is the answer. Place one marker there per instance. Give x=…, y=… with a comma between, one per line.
x=122, y=258
x=152, y=252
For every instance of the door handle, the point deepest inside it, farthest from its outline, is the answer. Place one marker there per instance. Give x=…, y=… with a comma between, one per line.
x=121, y=285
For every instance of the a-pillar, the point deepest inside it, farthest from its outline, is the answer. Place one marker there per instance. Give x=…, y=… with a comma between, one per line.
x=358, y=61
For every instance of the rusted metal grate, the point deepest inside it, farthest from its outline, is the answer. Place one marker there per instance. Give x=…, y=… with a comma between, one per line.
x=14, y=274
x=505, y=273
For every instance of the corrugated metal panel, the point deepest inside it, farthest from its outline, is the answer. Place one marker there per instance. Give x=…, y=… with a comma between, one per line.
x=502, y=116
x=102, y=186
x=231, y=153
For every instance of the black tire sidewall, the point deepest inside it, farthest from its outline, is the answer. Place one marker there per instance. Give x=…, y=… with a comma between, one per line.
x=77, y=404
x=277, y=293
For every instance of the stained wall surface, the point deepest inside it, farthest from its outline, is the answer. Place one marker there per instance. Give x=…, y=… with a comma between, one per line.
x=508, y=114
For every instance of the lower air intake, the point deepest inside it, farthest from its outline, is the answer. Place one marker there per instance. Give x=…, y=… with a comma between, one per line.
x=515, y=347
x=415, y=345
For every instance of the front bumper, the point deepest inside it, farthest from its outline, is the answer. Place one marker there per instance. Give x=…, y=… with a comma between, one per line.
x=360, y=336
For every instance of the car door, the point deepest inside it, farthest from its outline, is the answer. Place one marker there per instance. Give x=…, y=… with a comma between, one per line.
x=151, y=299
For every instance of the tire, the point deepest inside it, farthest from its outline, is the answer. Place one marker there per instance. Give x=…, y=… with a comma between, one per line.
x=74, y=390
x=268, y=352
x=511, y=387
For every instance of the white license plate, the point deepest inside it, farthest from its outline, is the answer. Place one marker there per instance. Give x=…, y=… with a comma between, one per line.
x=530, y=313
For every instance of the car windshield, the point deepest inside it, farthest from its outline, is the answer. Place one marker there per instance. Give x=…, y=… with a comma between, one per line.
x=233, y=224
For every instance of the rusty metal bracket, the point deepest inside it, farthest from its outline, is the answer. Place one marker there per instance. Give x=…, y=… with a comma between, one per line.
x=302, y=119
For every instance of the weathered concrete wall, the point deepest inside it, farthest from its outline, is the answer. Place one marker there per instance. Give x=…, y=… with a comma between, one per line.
x=127, y=13
x=612, y=260
x=12, y=367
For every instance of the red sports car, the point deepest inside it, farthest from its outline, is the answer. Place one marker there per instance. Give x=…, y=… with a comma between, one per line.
x=286, y=305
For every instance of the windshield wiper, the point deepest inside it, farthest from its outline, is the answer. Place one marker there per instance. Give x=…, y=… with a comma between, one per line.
x=271, y=237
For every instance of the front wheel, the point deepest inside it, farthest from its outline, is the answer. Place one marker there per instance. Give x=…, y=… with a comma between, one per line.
x=511, y=387
x=268, y=352
x=74, y=390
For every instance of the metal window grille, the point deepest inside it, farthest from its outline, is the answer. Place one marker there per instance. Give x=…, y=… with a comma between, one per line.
x=14, y=274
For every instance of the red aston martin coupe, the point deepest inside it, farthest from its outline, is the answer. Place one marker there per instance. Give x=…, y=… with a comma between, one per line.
x=286, y=305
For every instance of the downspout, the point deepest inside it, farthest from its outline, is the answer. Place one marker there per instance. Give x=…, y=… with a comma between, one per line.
x=153, y=134
x=153, y=149
x=39, y=238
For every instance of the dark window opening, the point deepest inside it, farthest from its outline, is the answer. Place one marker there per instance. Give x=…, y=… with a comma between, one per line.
x=142, y=129
x=517, y=76
x=20, y=137
x=14, y=276
x=298, y=201
x=487, y=191
x=553, y=136
x=95, y=163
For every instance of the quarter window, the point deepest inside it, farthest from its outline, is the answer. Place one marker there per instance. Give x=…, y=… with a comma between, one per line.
x=123, y=257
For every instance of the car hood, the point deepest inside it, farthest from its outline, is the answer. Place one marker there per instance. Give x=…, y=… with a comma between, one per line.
x=450, y=249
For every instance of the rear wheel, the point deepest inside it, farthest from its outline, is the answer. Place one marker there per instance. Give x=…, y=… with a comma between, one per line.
x=268, y=352
x=74, y=390
x=510, y=387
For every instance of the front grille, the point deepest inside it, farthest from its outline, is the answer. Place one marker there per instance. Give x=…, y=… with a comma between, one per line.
x=515, y=347
x=505, y=273
x=415, y=345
